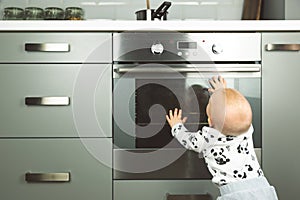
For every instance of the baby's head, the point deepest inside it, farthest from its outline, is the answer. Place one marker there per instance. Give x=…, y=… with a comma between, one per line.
x=229, y=112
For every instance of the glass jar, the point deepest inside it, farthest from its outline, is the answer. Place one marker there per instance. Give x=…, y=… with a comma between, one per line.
x=54, y=13
x=13, y=13
x=74, y=13
x=34, y=13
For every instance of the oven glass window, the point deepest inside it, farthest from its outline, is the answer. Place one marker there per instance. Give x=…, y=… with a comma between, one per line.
x=151, y=99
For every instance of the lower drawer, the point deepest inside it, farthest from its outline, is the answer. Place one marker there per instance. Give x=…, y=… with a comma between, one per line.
x=64, y=169
x=160, y=190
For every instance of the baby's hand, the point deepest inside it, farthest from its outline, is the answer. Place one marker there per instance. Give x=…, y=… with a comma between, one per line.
x=175, y=118
x=217, y=83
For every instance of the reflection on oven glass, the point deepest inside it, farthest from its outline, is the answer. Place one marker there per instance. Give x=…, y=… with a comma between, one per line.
x=196, y=100
x=169, y=94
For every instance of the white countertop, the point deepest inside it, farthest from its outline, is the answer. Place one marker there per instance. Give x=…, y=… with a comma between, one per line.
x=184, y=25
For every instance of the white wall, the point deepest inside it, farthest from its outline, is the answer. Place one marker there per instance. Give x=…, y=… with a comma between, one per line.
x=281, y=9
x=292, y=8
x=125, y=9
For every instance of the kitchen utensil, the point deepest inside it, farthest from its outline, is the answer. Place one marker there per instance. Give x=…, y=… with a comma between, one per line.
x=54, y=13
x=74, y=13
x=34, y=13
x=251, y=9
x=160, y=13
x=148, y=11
x=13, y=13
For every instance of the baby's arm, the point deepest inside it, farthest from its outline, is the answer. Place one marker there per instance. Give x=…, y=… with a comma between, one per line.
x=190, y=140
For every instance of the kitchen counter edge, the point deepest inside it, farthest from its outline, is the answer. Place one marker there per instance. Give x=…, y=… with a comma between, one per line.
x=171, y=25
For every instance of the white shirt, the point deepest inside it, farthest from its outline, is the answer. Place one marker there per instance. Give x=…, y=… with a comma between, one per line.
x=228, y=158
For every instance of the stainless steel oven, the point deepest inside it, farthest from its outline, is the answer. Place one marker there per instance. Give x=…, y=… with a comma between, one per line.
x=158, y=71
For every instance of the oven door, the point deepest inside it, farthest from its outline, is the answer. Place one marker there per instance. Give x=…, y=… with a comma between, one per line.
x=143, y=145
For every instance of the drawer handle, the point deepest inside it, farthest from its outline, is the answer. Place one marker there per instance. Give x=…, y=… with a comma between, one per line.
x=283, y=47
x=47, y=101
x=47, y=177
x=47, y=47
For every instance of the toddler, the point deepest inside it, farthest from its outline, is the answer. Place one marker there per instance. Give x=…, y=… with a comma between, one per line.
x=226, y=144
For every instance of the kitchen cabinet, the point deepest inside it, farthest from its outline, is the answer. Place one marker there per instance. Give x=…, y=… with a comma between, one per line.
x=56, y=47
x=87, y=178
x=47, y=139
x=21, y=118
x=281, y=111
x=56, y=115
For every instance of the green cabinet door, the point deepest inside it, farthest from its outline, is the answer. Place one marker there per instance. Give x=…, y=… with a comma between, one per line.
x=281, y=112
x=60, y=169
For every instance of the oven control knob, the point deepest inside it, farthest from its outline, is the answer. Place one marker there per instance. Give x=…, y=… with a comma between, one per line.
x=157, y=48
x=217, y=49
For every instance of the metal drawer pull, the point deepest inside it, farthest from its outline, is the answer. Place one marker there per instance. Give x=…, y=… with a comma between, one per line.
x=47, y=177
x=283, y=47
x=47, y=101
x=47, y=47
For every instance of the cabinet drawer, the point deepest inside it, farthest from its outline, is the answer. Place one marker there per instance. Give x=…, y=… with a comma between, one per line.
x=29, y=107
x=88, y=177
x=55, y=47
x=158, y=190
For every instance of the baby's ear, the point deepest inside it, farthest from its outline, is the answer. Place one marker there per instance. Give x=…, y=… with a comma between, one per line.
x=209, y=122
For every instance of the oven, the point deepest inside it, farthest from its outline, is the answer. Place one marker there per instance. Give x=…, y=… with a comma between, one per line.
x=158, y=71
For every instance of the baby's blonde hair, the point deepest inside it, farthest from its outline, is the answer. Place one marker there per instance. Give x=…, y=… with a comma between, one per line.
x=230, y=112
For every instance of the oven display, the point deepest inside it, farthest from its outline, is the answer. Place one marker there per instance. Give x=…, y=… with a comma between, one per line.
x=187, y=45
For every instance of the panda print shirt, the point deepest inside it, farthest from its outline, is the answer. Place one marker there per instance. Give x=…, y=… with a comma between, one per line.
x=228, y=158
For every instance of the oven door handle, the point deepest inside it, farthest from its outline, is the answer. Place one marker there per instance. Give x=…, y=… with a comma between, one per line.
x=193, y=69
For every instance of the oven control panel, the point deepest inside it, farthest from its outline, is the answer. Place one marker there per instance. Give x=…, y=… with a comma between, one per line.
x=165, y=46
x=186, y=47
